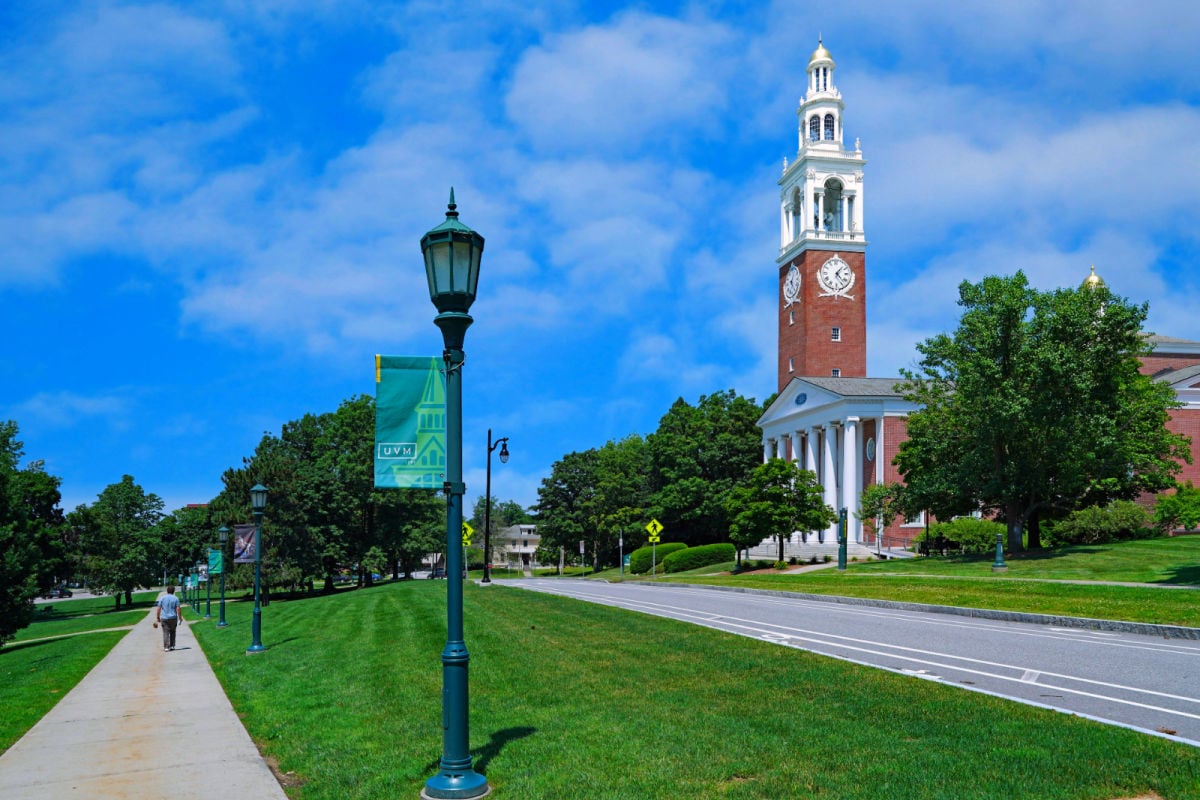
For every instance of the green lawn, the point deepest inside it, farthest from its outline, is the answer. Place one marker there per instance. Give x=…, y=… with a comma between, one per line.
x=571, y=700
x=1167, y=561
x=63, y=617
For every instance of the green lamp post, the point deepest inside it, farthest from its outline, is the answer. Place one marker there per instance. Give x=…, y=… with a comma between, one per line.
x=258, y=502
x=502, y=443
x=452, y=253
x=223, y=532
x=207, y=594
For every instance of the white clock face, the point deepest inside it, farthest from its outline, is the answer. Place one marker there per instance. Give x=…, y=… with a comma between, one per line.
x=791, y=285
x=836, y=277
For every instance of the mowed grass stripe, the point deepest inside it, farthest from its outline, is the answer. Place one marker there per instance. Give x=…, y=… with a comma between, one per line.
x=574, y=700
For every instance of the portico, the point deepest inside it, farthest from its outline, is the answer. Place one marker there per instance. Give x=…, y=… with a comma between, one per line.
x=845, y=430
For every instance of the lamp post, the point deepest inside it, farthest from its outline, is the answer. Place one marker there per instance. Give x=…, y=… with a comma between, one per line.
x=207, y=590
x=223, y=532
x=258, y=502
x=487, y=509
x=196, y=592
x=452, y=253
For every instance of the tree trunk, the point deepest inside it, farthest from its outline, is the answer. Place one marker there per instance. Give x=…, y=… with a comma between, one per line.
x=129, y=597
x=1035, y=531
x=1013, y=517
x=781, y=547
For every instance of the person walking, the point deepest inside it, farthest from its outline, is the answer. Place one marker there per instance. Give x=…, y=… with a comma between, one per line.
x=167, y=616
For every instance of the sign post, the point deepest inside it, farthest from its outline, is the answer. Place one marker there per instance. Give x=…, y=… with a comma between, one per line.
x=654, y=528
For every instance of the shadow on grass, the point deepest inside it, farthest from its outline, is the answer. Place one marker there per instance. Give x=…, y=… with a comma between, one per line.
x=12, y=647
x=1183, y=575
x=490, y=750
x=52, y=611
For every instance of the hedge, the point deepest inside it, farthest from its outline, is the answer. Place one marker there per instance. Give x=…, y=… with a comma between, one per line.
x=639, y=560
x=696, y=557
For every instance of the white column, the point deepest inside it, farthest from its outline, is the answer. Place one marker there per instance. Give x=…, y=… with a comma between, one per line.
x=780, y=448
x=767, y=450
x=820, y=211
x=810, y=449
x=879, y=449
x=829, y=472
x=851, y=479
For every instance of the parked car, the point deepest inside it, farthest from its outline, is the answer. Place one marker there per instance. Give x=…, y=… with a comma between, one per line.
x=58, y=591
x=437, y=572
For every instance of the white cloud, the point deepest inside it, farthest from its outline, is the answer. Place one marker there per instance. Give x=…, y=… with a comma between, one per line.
x=68, y=409
x=621, y=85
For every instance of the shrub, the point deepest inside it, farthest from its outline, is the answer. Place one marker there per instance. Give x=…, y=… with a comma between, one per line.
x=1180, y=509
x=781, y=564
x=1120, y=519
x=640, y=559
x=696, y=557
x=969, y=534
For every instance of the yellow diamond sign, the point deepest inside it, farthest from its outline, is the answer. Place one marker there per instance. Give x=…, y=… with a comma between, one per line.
x=468, y=532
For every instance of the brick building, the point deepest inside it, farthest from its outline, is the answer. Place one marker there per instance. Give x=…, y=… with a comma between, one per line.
x=829, y=416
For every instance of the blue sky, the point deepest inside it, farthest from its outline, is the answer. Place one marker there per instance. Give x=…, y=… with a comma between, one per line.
x=210, y=212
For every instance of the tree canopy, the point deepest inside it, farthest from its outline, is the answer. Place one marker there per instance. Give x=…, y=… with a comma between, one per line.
x=1035, y=406
x=779, y=499
x=31, y=533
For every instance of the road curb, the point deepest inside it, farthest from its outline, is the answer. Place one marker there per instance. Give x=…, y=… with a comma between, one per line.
x=1083, y=623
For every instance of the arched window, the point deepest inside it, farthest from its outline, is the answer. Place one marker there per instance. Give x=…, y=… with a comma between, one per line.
x=814, y=127
x=829, y=126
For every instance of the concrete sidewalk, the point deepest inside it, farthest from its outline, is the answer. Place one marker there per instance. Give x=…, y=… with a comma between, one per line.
x=144, y=725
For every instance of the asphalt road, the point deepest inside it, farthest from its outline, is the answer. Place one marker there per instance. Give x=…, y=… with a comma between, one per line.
x=1142, y=682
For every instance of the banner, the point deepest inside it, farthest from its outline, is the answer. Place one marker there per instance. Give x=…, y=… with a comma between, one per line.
x=216, y=562
x=410, y=423
x=202, y=576
x=243, y=544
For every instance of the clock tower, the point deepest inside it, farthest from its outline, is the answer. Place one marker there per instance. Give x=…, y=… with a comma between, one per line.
x=822, y=256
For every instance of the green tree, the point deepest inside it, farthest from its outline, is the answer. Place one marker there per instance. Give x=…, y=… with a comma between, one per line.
x=879, y=504
x=696, y=456
x=592, y=497
x=778, y=499
x=119, y=536
x=566, y=498
x=31, y=533
x=1035, y=406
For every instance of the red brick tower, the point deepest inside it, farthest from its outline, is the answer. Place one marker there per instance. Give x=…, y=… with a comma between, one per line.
x=822, y=257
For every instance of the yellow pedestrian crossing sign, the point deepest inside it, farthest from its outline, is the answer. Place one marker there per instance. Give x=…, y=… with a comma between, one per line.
x=468, y=532
x=654, y=527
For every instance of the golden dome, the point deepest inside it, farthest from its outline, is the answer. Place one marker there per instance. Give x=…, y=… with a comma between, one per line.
x=1093, y=281
x=820, y=54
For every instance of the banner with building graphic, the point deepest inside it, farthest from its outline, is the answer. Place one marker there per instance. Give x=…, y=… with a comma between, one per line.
x=410, y=423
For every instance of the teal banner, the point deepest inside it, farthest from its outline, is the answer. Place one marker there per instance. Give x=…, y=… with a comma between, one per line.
x=410, y=423
x=215, y=562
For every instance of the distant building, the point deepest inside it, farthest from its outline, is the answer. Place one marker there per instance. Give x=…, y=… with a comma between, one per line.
x=515, y=547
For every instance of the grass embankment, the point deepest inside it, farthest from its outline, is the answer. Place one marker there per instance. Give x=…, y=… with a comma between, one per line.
x=34, y=675
x=571, y=700
x=1032, y=584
